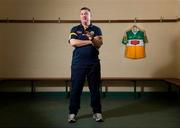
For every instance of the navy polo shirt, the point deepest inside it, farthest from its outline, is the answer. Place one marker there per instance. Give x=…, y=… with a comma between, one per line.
x=85, y=54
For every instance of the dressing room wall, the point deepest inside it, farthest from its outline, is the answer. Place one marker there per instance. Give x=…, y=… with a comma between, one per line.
x=178, y=54
x=42, y=50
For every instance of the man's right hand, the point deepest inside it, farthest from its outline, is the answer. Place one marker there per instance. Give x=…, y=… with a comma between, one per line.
x=89, y=35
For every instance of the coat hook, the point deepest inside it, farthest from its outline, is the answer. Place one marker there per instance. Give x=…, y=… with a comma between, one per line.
x=59, y=20
x=7, y=19
x=161, y=19
x=33, y=20
x=177, y=18
x=135, y=19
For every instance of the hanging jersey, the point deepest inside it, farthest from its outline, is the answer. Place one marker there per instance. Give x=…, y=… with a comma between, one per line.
x=134, y=42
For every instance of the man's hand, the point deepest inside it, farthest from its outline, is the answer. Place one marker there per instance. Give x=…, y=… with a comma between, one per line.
x=89, y=35
x=97, y=41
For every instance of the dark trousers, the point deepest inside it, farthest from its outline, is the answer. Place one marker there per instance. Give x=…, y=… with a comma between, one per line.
x=79, y=73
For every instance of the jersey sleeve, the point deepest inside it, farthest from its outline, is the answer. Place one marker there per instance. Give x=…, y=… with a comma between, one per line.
x=125, y=39
x=98, y=32
x=145, y=37
x=73, y=34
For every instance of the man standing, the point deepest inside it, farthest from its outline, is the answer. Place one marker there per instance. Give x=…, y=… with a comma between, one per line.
x=86, y=38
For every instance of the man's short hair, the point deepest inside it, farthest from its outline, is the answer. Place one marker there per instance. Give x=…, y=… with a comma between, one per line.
x=85, y=8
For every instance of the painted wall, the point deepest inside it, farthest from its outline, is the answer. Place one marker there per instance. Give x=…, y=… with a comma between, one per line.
x=178, y=52
x=41, y=50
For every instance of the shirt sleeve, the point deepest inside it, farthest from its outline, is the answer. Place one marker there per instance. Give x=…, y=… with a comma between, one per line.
x=125, y=39
x=98, y=32
x=73, y=34
x=145, y=38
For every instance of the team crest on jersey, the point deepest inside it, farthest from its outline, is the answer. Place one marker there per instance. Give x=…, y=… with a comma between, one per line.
x=92, y=33
x=79, y=32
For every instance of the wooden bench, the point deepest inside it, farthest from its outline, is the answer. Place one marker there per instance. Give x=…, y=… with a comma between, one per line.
x=66, y=81
x=34, y=80
x=133, y=79
x=173, y=82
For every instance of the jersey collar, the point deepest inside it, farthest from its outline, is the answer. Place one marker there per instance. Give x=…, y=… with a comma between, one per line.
x=87, y=27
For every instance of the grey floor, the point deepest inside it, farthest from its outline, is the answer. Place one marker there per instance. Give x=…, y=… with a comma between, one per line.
x=49, y=110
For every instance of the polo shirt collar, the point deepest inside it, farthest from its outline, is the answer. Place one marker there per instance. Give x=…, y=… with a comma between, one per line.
x=87, y=27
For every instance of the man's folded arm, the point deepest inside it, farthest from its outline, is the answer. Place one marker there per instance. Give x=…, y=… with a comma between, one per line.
x=97, y=41
x=79, y=43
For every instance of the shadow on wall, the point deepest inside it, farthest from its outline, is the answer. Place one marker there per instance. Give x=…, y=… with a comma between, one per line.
x=169, y=69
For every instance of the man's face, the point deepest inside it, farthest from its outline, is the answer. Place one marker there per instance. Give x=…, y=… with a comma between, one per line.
x=85, y=16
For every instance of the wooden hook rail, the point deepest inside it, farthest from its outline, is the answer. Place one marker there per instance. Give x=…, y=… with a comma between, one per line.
x=161, y=20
